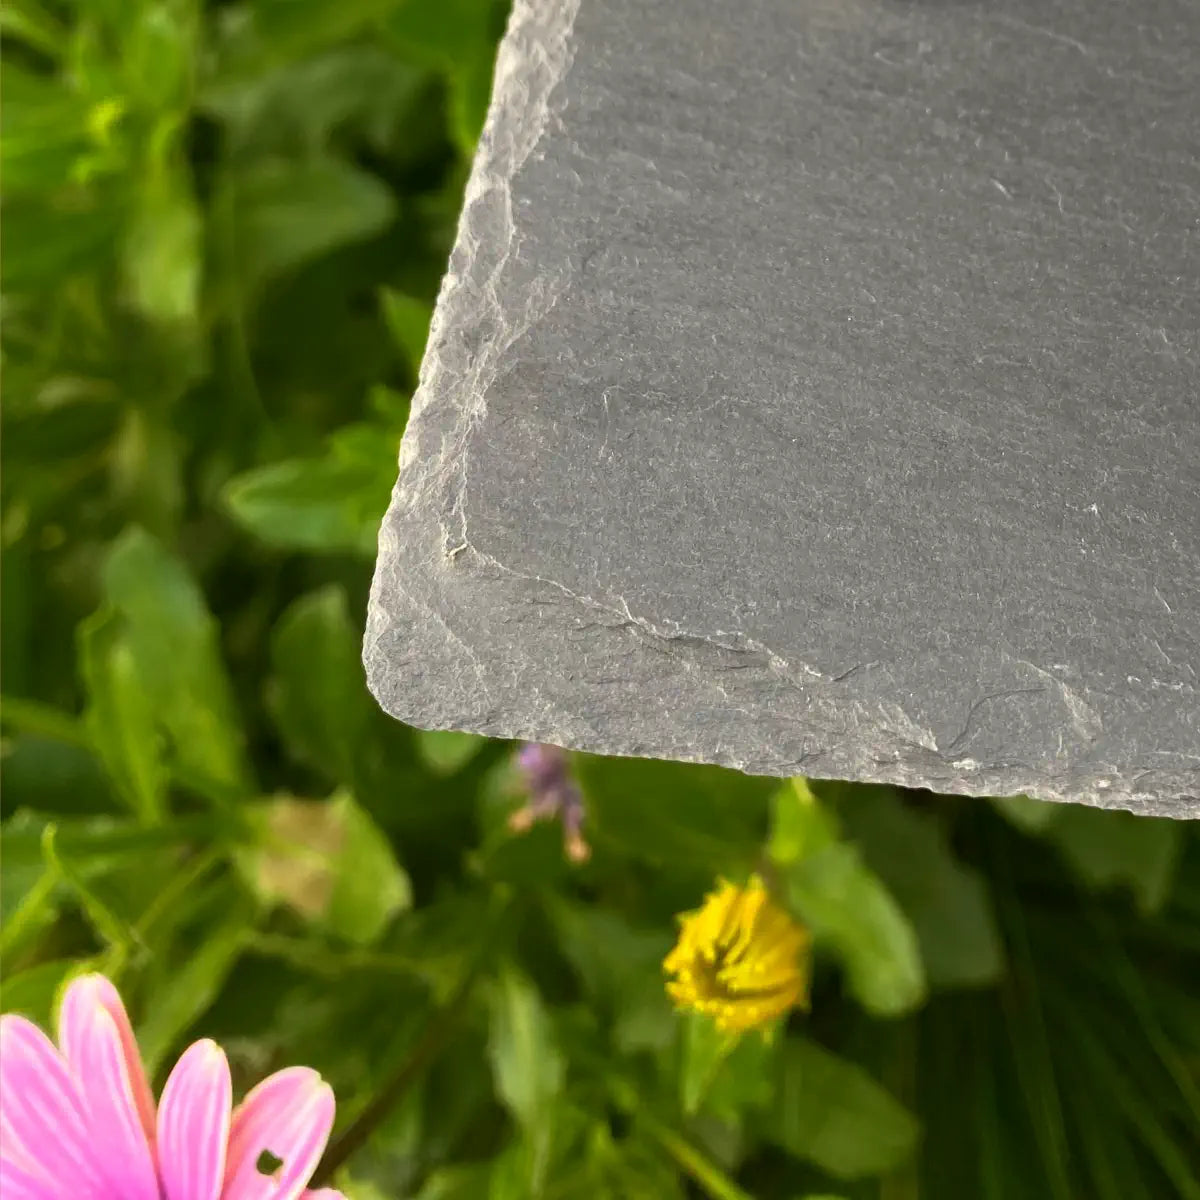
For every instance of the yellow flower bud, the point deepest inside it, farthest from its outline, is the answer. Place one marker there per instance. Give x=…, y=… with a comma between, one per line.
x=741, y=959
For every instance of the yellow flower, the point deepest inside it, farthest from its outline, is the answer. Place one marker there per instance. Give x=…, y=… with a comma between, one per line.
x=741, y=959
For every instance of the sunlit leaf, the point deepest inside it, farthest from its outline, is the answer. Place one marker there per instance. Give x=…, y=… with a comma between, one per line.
x=172, y=641
x=947, y=902
x=328, y=504
x=849, y=910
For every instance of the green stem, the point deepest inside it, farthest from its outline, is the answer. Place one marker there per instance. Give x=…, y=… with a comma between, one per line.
x=435, y=1038
x=182, y=883
x=317, y=960
x=30, y=914
x=709, y=1176
x=691, y=1161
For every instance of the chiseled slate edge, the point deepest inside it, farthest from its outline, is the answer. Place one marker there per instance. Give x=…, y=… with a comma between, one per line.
x=457, y=640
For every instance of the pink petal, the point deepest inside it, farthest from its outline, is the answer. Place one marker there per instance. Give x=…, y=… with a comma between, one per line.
x=11, y=1149
x=91, y=1041
x=323, y=1194
x=21, y=1183
x=289, y=1115
x=193, y=1124
x=43, y=1120
x=98, y=990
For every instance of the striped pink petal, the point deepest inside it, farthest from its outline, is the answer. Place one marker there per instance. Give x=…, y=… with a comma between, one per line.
x=12, y=1150
x=43, y=1118
x=193, y=1124
x=288, y=1116
x=96, y=989
x=92, y=1043
x=18, y=1182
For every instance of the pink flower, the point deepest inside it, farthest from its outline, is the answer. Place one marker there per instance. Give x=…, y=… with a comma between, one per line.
x=79, y=1122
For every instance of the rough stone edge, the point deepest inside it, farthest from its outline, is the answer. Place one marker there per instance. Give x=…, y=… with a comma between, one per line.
x=461, y=362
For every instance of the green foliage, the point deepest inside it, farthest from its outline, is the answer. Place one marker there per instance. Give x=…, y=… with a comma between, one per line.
x=833, y=1113
x=845, y=904
x=224, y=230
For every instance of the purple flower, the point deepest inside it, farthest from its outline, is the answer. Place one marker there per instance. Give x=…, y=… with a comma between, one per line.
x=78, y=1122
x=553, y=794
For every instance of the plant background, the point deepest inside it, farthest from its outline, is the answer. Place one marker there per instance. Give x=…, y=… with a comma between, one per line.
x=224, y=226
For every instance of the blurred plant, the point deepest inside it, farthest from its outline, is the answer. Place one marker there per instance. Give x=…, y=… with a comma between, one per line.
x=225, y=226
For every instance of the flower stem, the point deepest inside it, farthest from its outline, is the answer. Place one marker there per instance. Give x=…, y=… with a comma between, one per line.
x=431, y=1043
x=715, y=1183
x=709, y=1176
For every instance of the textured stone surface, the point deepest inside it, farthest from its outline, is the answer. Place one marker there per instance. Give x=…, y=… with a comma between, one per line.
x=816, y=388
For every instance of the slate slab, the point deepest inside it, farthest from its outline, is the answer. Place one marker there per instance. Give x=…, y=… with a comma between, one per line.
x=815, y=388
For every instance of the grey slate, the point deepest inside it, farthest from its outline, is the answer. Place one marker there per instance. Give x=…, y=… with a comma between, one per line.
x=815, y=388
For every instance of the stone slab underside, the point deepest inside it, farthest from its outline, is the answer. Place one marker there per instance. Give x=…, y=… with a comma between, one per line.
x=815, y=388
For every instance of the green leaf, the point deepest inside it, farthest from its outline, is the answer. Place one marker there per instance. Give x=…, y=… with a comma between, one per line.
x=173, y=641
x=408, y=322
x=704, y=1049
x=1105, y=849
x=47, y=242
x=676, y=814
x=848, y=909
x=43, y=130
x=369, y=887
x=28, y=716
x=471, y=91
x=291, y=28
x=323, y=504
x=158, y=47
x=445, y=751
x=54, y=775
x=445, y=34
x=527, y=1065
x=620, y=968
x=947, y=903
x=351, y=92
x=329, y=861
x=800, y=826
x=120, y=718
x=317, y=692
x=34, y=992
x=354, y=1189
x=743, y=1083
x=188, y=989
x=162, y=254
x=451, y=1183
x=286, y=213
x=607, y=951
x=1026, y=813
x=93, y=843
x=35, y=907
x=630, y=1168
x=832, y=1113
x=29, y=21
x=1111, y=849
x=528, y=1069
x=108, y=926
